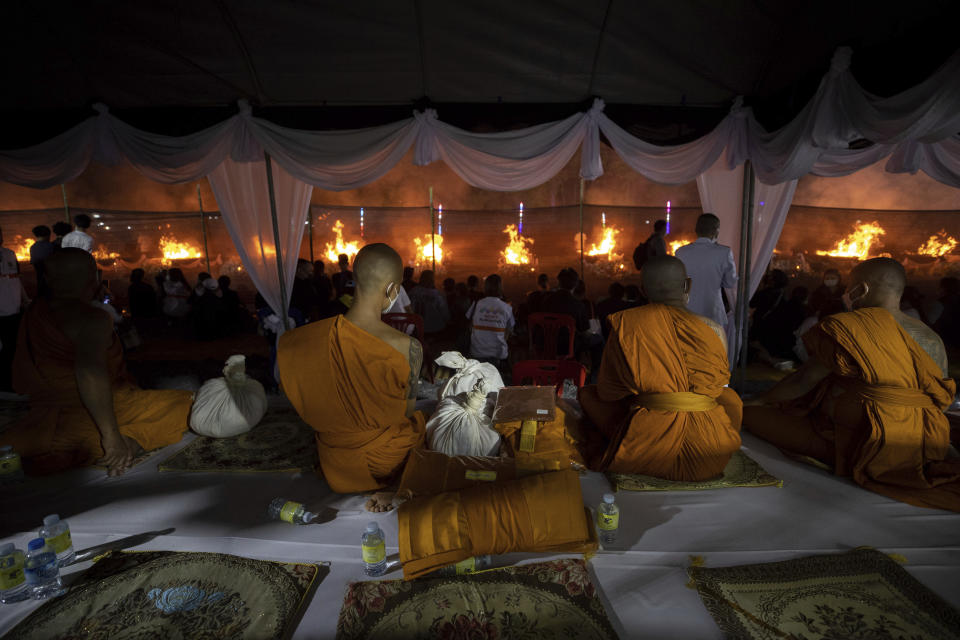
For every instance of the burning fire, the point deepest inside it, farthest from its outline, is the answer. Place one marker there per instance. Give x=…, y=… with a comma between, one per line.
x=858, y=243
x=938, y=245
x=103, y=254
x=425, y=250
x=676, y=244
x=607, y=246
x=174, y=250
x=21, y=247
x=350, y=248
x=516, y=251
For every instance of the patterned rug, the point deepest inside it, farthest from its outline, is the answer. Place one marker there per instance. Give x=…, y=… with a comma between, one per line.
x=545, y=600
x=281, y=442
x=858, y=595
x=167, y=594
x=741, y=471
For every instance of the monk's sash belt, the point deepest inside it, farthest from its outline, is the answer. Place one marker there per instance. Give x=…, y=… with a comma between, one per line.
x=888, y=395
x=679, y=401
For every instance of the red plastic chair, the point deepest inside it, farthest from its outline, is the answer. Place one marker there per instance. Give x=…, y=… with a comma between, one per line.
x=550, y=325
x=544, y=372
x=402, y=321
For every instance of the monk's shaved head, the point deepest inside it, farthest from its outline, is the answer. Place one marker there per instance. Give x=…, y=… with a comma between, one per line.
x=71, y=272
x=884, y=277
x=375, y=266
x=664, y=279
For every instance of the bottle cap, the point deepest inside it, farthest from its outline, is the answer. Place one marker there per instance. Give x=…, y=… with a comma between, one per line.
x=608, y=498
x=6, y=549
x=51, y=520
x=308, y=516
x=373, y=527
x=36, y=543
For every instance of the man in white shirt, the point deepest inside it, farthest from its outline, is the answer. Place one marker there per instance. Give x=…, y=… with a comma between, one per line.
x=492, y=322
x=79, y=237
x=711, y=269
x=12, y=300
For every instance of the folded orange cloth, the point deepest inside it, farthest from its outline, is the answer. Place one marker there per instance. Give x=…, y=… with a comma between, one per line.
x=556, y=439
x=431, y=472
x=537, y=513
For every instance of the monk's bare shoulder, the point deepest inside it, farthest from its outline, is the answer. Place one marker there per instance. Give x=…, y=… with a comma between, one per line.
x=717, y=329
x=927, y=338
x=84, y=323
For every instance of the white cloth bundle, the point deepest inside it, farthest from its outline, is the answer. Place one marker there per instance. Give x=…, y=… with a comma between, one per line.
x=230, y=405
x=460, y=427
x=468, y=374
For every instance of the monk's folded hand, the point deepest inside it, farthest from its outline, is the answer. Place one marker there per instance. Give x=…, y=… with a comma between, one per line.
x=118, y=454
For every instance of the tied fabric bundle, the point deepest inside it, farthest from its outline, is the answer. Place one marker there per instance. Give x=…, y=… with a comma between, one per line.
x=460, y=426
x=230, y=405
x=467, y=374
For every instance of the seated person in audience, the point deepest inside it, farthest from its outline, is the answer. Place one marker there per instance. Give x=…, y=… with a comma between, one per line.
x=176, y=294
x=353, y=378
x=912, y=304
x=492, y=322
x=474, y=288
x=633, y=296
x=610, y=305
x=870, y=400
x=449, y=291
x=947, y=322
x=562, y=301
x=774, y=336
x=458, y=317
x=304, y=295
x=408, y=282
x=429, y=304
x=340, y=279
x=69, y=361
x=141, y=296
x=536, y=297
x=322, y=282
x=661, y=402
x=831, y=288
x=828, y=307
x=235, y=315
x=208, y=312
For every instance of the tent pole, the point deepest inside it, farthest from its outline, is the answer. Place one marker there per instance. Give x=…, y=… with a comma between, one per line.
x=310, y=229
x=743, y=282
x=433, y=226
x=66, y=207
x=582, y=274
x=203, y=228
x=276, y=243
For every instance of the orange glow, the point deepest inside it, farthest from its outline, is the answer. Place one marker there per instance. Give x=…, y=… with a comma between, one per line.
x=425, y=250
x=102, y=254
x=516, y=251
x=336, y=248
x=607, y=246
x=858, y=243
x=175, y=250
x=676, y=244
x=938, y=245
x=21, y=247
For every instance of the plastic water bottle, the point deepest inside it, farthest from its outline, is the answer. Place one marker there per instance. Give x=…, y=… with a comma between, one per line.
x=608, y=519
x=56, y=533
x=374, y=551
x=42, y=571
x=470, y=565
x=11, y=467
x=288, y=511
x=13, y=582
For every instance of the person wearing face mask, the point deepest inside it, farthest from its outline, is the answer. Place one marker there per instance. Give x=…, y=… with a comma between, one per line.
x=711, y=268
x=830, y=290
x=661, y=403
x=69, y=361
x=354, y=379
x=870, y=400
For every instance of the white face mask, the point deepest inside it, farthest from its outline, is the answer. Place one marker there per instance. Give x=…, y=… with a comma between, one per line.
x=831, y=282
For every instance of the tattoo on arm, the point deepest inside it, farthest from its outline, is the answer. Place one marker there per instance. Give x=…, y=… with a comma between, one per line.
x=416, y=363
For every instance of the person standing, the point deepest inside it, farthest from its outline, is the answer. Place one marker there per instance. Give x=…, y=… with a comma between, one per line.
x=39, y=252
x=79, y=237
x=322, y=283
x=12, y=301
x=711, y=269
x=340, y=280
x=654, y=247
x=60, y=229
x=430, y=304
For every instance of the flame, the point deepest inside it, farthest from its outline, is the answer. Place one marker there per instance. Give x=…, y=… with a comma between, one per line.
x=608, y=245
x=21, y=247
x=335, y=249
x=516, y=251
x=425, y=250
x=858, y=243
x=102, y=254
x=938, y=245
x=676, y=244
x=174, y=250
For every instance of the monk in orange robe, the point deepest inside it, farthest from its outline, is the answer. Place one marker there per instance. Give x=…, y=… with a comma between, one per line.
x=354, y=380
x=69, y=361
x=870, y=401
x=660, y=401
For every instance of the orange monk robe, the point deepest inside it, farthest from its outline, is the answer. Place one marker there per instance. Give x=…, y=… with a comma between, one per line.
x=557, y=440
x=58, y=433
x=351, y=387
x=538, y=513
x=878, y=416
x=430, y=472
x=660, y=398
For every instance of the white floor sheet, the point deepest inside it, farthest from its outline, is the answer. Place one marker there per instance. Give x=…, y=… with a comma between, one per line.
x=642, y=578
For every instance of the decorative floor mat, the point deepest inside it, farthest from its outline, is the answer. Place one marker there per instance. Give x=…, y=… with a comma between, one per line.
x=281, y=442
x=167, y=594
x=546, y=600
x=861, y=594
x=741, y=471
